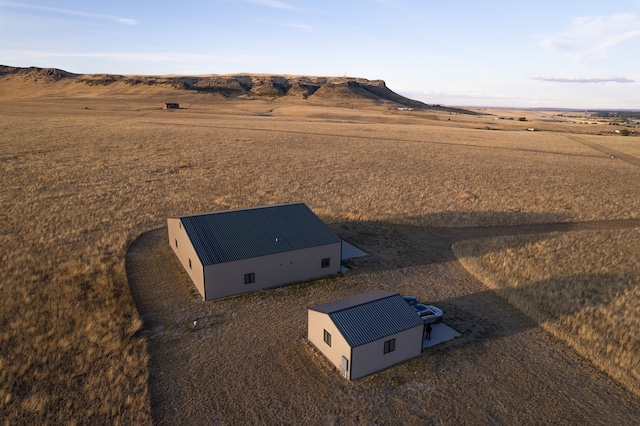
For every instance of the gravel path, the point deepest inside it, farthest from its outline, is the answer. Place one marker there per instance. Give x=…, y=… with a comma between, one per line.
x=245, y=360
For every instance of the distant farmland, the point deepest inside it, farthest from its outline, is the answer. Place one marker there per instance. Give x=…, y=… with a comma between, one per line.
x=87, y=173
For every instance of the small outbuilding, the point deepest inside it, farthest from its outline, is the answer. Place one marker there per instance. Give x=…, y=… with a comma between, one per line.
x=238, y=251
x=365, y=333
x=171, y=105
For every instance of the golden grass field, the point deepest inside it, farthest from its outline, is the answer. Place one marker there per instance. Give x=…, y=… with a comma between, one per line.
x=582, y=286
x=84, y=174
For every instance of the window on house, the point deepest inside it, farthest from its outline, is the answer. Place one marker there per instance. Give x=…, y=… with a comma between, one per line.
x=176, y=243
x=327, y=337
x=190, y=264
x=325, y=263
x=389, y=346
x=250, y=278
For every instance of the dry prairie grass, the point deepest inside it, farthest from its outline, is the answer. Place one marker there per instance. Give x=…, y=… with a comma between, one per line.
x=249, y=362
x=82, y=178
x=583, y=287
x=627, y=145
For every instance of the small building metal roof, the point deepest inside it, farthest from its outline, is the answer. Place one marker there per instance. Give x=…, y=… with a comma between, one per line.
x=370, y=316
x=242, y=234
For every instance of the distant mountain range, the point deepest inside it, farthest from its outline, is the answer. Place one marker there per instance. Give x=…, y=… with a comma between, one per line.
x=236, y=85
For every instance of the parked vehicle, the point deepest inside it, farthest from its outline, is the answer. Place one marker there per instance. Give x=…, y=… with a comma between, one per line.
x=411, y=300
x=428, y=313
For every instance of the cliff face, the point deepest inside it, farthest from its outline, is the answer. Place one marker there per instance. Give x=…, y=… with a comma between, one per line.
x=36, y=74
x=249, y=85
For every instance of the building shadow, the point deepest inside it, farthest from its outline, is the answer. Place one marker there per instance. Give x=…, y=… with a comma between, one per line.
x=392, y=247
x=396, y=244
x=175, y=317
x=500, y=313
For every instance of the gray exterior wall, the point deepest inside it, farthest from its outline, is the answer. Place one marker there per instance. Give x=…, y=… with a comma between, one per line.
x=182, y=247
x=370, y=358
x=227, y=279
x=365, y=359
x=317, y=322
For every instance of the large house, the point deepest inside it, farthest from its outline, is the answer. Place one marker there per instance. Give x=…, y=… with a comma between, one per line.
x=365, y=333
x=231, y=252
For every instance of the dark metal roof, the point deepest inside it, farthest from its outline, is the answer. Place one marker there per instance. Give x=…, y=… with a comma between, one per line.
x=370, y=316
x=242, y=234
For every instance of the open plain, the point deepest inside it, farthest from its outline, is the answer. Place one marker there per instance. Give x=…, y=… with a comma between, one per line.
x=529, y=241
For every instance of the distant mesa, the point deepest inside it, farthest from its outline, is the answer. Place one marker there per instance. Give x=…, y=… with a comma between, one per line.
x=233, y=86
x=36, y=74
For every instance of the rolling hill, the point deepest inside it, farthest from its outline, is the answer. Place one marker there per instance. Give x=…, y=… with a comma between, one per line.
x=15, y=80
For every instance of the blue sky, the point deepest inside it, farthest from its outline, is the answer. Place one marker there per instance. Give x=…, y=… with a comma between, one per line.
x=467, y=52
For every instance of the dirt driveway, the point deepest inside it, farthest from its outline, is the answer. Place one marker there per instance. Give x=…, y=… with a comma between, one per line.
x=245, y=360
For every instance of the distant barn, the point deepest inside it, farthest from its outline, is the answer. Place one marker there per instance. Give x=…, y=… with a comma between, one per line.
x=239, y=251
x=171, y=105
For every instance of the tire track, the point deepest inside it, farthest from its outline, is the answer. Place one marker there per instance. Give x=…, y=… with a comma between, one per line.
x=609, y=151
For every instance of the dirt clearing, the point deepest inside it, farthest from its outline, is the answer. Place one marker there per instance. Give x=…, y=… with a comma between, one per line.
x=245, y=360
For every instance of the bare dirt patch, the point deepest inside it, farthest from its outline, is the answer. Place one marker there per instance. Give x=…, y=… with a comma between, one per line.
x=246, y=359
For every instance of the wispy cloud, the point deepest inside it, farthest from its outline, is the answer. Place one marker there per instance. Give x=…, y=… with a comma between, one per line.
x=590, y=37
x=472, y=98
x=133, y=56
x=118, y=19
x=300, y=26
x=275, y=4
x=605, y=79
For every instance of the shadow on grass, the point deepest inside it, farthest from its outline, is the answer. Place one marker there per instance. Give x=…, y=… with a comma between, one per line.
x=390, y=247
x=558, y=297
x=485, y=313
x=406, y=243
x=174, y=318
x=393, y=247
